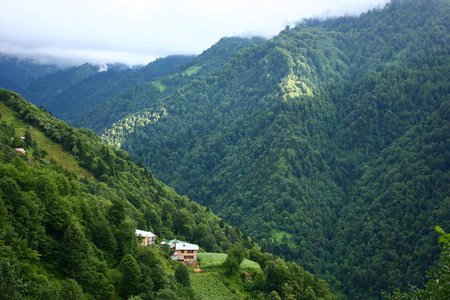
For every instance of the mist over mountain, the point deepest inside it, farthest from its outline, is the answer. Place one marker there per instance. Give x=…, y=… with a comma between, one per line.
x=17, y=74
x=327, y=144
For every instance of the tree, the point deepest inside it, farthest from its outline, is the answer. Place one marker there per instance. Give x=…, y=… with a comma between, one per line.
x=234, y=259
x=273, y=295
x=3, y=213
x=28, y=140
x=76, y=250
x=131, y=276
x=309, y=294
x=71, y=290
x=166, y=294
x=277, y=273
x=12, y=285
x=182, y=274
x=126, y=239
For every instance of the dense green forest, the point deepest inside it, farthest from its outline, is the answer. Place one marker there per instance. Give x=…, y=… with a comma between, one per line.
x=69, y=208
x=327, y=144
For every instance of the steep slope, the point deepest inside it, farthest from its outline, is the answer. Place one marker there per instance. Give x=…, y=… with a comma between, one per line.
x=278, y=140
x=69, y=209
x=385, y=234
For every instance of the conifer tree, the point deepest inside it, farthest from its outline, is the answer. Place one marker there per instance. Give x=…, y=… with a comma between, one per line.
x=131, y=276
x=182, y=275
x=76, y=250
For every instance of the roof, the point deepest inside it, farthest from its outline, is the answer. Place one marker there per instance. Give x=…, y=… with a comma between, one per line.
x=144, y=233
x=180, y=245
x=185, y=246
x=20, y=150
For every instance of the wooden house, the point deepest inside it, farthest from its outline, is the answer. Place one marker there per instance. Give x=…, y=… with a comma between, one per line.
x=185, y=252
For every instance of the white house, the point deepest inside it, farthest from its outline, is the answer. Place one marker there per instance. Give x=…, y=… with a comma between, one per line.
x=148, y=238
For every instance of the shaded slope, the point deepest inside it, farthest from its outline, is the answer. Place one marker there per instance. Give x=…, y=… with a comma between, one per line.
x=385, y=234
x=241, y=140
x=43, y=90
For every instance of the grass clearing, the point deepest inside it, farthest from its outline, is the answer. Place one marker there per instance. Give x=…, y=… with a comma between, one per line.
x=161, y=87
x=209, y=286
x=211, y=260
x=215, y=261
x=192, y=70
x=250, y=266
x=278, y=235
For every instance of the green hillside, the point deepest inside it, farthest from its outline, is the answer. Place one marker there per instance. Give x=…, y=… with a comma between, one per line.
x=310, y=142
x=286, y=280
x=69, y=208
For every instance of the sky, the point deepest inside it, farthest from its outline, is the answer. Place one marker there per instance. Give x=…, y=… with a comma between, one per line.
x=139, y=31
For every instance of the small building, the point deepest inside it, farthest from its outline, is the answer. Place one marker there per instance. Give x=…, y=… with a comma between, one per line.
x=21, y=150
x=185, y=252
x=148, y=238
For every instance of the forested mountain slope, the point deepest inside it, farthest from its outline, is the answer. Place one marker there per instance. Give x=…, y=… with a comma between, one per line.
x=69, y=208
x=145, y=93
x=385, y=232
x=305, y=131
x=74, y=91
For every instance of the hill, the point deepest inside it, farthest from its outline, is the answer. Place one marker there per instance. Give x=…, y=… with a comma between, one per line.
x=69, y=209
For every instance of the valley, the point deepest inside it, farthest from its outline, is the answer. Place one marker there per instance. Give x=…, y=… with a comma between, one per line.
x=326, y=145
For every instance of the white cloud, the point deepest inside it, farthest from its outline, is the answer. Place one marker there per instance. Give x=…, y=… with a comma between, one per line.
x=137, y=31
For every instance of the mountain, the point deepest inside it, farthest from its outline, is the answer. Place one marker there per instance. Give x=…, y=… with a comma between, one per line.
x=74, y=91
x=17, y=74
x=326, y=143
x=144, y=93
x=77, y=94
x=69, y=209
